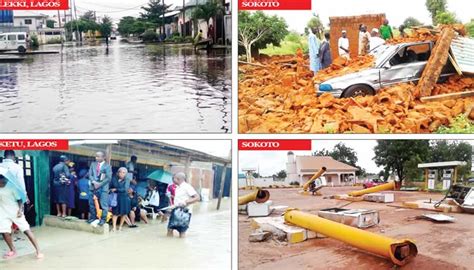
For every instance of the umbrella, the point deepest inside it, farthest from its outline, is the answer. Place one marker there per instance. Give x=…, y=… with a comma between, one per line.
x=12, y=183
x=161, y=176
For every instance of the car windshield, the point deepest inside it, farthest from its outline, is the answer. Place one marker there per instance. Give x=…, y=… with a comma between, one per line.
x=381, y=53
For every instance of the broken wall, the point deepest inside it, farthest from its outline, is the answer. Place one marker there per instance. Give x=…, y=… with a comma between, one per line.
x=351, y=25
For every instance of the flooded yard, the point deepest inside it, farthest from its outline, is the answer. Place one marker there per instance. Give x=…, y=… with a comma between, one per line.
x=127, y=89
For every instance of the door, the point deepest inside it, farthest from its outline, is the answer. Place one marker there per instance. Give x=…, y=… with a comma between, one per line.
x=12, y=42
x=405, y=66
x=3, y=42
x=26, y=162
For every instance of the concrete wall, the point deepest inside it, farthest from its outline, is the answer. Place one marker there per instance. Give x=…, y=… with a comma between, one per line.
x=36, y=23
x=351, y=25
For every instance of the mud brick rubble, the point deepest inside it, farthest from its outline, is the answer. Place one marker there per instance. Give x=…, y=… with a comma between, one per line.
x=279, y=97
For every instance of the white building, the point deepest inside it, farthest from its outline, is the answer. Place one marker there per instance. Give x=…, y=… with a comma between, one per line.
x=32, y=20
x=301, y=168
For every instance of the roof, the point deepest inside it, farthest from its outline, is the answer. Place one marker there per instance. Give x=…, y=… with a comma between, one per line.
x=28, y=14
x=314, y=163
x=442, y=164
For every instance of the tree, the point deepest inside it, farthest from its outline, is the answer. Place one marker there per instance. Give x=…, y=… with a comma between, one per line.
x=257, y=30
x=50, y=23
x=207, y=11
x=343, y=154
x=443, y=150
x=153, y=13
x=413, y=173
x=470, y=28
x=125, y=26
x=281, y=174
x=105, y=28
x=410, y=22
x=89, y=16
x=315, y=23
x=446, y=18
x=435, y=7
x=393, y=154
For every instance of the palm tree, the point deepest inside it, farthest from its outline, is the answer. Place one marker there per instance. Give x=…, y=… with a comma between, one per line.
x=209, y=10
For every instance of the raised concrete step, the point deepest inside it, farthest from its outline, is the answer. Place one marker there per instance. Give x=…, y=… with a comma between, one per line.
x=72, y=223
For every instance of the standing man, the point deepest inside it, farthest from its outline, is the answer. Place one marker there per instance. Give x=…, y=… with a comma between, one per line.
x=100, y=174
x=364, y=40
x=314, y=44
x=325, y=52
x=185, y=196
x=9, y=163
x=386, y=30
x=61, y=178
x=343, y=45
x=132, y=168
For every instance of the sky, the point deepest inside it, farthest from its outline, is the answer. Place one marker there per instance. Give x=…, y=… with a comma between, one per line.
x=219, y=148
x=271, y=162
x=396, y=11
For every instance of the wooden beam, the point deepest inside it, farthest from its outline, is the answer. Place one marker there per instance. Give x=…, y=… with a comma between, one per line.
x=436, y=62
x=449, y=96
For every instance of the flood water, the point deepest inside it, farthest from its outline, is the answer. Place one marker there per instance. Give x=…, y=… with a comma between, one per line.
x=207, y=246
x=130, y=89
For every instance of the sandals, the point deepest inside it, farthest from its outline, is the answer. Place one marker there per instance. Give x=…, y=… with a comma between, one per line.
x=9, y=255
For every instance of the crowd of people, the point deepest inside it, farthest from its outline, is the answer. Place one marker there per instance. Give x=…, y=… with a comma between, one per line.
x=320, y=51
x=95, y=195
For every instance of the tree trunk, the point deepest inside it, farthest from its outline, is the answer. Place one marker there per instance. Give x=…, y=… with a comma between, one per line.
x=248, y=50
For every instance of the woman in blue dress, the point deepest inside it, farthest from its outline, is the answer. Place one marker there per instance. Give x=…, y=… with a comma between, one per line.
x=120, y=185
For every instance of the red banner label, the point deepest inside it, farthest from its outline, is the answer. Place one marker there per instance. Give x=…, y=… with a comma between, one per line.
x=34, y=145
x=275, y=4
x=34, y=4
x=275, y=145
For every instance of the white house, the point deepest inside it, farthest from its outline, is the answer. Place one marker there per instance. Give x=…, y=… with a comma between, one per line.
x=301, y=168
x=33, y=20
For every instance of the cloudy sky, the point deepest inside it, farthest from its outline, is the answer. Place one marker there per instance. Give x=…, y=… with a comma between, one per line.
x=396, y=11
x=220, y=148
x=271, y=162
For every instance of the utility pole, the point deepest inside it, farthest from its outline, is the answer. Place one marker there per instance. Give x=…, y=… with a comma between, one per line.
x=59, y=19
x=184, y=18
x=163, y=17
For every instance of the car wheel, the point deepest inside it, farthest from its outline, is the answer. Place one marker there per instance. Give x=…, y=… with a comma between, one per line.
x=21, y=49
x=358, y=90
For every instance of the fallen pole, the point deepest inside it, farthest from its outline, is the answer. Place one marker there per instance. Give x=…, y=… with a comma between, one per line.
x=259, y=196
x=387, y=186
x=400, y=252
x=315, y=176
x=449, y=96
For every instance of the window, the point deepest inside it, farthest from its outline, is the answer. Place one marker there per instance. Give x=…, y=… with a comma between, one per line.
x=21, y=37
x=11, y=37
x=28, y=21
x=411, y=54
x=3, y=37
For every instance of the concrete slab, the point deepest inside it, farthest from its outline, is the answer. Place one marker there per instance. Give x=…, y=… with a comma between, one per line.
x=277, y=225
x=255, y=209
x=74, y=224
x=380, y=197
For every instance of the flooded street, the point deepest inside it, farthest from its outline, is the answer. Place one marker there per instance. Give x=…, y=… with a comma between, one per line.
x=207, y=246
x=130, y=89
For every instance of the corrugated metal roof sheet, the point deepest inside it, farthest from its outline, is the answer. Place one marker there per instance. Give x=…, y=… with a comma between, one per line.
x=463, y=52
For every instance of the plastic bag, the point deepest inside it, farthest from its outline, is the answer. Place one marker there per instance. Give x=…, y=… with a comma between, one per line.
x=113, y=200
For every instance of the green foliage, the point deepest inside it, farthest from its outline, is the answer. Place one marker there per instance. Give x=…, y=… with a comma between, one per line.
x=315, y=23
x=444, y=150
x=281, y=174
x=412, y=171
x=344, y=154
x=207, y=10
x=50, y=23
x=130, y=25
x=105, y=26
x=149, y=36
x=434, y=7
x=446, y=18
x=290, y=44
x=89, y=16
x=410, y=22
x=257, y=30
x=153, y=13
x=470, y=28
x=393, y=154
x=461, y=124
x=57, y=40
x=34, y=41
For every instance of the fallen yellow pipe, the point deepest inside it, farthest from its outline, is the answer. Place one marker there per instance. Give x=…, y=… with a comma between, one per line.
x=398, y=251
x=259, y=195
x=315, y=176
x=387, y=186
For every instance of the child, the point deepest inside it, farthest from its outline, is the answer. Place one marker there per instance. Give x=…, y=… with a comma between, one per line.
x=84, y=193
x=11, y=212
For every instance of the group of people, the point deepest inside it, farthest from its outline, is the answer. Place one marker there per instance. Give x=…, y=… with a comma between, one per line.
x=96, y=194
x=320, y=51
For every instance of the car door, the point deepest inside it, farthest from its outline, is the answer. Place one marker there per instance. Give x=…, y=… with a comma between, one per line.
x=3, y=42
x=11, y=42
x=406, y=65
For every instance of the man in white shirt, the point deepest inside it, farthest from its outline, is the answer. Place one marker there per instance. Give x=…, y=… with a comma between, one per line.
x=375, y=39
x=343, y=45
x=15, y=169
x=185, y=196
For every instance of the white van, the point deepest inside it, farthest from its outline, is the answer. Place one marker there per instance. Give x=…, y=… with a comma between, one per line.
x=13, y=41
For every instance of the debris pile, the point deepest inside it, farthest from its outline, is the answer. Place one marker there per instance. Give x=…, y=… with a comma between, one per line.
x=278, y=96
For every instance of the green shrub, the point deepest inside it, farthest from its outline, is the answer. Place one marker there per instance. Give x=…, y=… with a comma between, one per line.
x=461, y=124
x=34, y=41
x=149, y=36
x=57, y=40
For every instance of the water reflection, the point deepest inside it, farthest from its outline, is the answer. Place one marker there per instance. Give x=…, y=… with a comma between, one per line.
x=130, y=88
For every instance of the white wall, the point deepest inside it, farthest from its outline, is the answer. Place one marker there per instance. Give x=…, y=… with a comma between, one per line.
x=36, y=23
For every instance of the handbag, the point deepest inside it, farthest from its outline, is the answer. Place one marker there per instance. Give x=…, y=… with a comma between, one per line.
x=113, y=200
x=155, y=198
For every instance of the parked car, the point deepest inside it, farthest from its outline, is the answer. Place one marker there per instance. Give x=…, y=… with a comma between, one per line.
x=394, y=64
x=13, y=41
x=372, y=183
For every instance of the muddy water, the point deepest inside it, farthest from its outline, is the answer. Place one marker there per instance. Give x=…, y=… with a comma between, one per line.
x=129, y=88
x=207, y=246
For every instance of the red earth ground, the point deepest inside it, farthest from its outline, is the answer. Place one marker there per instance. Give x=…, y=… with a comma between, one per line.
x=440, y=246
